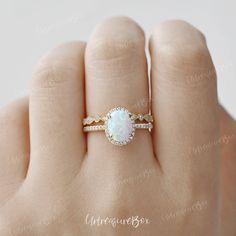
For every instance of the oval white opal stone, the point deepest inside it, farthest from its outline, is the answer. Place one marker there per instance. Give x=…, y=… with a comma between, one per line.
x=120, y=126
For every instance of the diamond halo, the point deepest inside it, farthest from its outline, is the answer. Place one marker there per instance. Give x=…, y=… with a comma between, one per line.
x=119, y=126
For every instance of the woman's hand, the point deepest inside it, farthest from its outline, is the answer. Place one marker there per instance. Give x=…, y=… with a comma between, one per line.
x=177, y=180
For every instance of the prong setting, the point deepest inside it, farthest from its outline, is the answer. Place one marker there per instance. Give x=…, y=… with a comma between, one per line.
x=121, y=133
x=119, y=124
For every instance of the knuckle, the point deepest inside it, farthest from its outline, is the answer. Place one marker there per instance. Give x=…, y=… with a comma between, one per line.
x=108, y=49
x=190, y=60
x=185, y=56
x=180, y=44
x=59, y=66
x=117, y=57
x=114, y=38
x=116, y=49
x=51, y=74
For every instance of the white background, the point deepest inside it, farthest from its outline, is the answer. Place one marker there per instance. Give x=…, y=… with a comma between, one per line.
x=30, y=28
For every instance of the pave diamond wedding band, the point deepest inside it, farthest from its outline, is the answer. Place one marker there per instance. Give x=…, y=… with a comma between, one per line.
x=119, y=124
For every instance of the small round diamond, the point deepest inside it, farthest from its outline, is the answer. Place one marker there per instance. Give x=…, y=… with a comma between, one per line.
x=119, y=126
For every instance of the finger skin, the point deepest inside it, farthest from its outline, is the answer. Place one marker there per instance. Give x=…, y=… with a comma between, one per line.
x=95, y=189
x=184, y=103
x=14, y=147
x=116, y=75
x=56, y=113
x=228, y=158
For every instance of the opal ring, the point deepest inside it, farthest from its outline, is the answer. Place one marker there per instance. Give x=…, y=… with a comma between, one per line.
x=119, y=124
